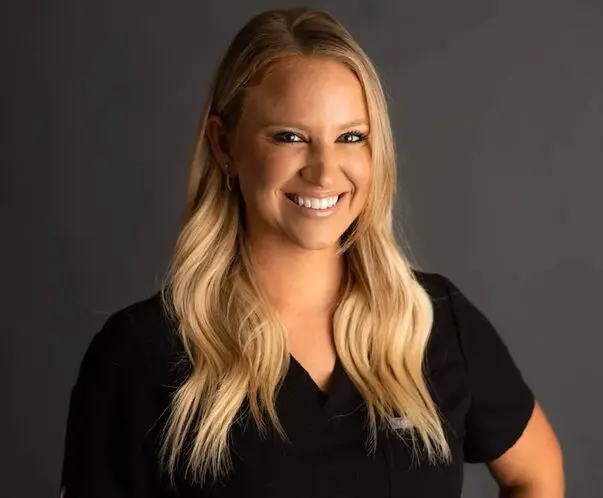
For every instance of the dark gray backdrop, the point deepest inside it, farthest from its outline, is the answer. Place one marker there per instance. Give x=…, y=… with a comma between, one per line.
x=498, y=114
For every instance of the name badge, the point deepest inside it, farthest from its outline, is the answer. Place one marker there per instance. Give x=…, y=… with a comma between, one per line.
x=400, y=423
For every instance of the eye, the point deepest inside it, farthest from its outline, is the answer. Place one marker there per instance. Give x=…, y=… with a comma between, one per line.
x=352, y=137
x=287, y=137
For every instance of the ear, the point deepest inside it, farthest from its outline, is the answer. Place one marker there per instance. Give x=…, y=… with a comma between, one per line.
x=219, y=143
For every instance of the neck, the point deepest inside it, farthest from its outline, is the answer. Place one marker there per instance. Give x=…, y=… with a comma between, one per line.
x=297, y=279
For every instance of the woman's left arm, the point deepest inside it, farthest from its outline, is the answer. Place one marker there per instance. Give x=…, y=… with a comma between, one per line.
x=533, y=466
x=505, y=426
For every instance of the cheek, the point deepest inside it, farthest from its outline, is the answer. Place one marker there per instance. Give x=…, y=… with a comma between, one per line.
x=280, y=165
x=359, y=171
x=267, y=167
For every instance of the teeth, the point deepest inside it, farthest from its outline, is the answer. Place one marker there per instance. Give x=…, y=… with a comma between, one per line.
x=313, y=203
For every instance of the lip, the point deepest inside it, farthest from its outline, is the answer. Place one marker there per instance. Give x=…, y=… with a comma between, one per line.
x=317, y=213
x=321, y=195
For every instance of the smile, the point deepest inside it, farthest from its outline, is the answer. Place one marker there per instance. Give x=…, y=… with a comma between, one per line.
x=314, y=202
x=314, y=206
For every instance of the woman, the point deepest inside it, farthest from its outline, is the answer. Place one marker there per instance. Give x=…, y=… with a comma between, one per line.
x=294, y=351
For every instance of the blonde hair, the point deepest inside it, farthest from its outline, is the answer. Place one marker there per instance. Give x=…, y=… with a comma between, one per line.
x=233, y=337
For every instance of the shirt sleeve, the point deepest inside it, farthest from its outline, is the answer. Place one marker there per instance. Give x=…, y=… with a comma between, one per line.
x=105, y=454
x=501, y=401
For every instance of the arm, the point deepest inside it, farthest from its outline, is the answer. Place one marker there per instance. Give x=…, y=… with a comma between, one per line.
x=506, y=427
x=533, y=466
x=106, y=433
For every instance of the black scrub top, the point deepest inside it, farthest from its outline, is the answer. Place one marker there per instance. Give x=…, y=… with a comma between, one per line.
x=134, y=364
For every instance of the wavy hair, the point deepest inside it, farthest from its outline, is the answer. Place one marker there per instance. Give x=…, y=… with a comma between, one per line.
x=233, y=337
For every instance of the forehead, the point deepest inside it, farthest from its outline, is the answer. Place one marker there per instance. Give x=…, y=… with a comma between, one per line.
x=307, y=89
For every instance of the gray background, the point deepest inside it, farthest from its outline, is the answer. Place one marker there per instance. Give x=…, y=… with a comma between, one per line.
x=498, y=114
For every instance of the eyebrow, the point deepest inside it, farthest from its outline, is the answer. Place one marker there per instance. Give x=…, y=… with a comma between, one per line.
x=301, y=126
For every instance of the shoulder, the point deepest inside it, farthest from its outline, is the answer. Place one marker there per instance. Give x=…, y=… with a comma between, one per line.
x=455, y=317
x=143, y=323
x=444, y=333
x=445, y=294
x=143, y=317
x=136, y=341
x=438, y=287
x=458, y=325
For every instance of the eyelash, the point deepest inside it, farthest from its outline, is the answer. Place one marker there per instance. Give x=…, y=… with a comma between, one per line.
x=361, y=137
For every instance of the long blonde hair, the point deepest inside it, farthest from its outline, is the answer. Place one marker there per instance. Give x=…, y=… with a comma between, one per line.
x=234, y=339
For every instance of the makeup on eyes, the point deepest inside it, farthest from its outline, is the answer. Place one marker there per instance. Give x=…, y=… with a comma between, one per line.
x=279, y=137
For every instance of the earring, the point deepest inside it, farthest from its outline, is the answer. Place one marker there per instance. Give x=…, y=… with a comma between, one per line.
x=227, y=178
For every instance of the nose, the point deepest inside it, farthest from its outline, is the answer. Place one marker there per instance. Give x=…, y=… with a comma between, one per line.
x=321, y=168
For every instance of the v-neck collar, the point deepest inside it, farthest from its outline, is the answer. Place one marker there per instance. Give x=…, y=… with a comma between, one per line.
x=342, y=396
x=304, y=381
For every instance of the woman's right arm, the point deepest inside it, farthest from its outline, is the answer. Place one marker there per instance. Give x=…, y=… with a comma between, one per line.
x=108, y=451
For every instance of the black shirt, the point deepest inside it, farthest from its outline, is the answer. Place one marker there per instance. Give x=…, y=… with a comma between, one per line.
x=134, y=364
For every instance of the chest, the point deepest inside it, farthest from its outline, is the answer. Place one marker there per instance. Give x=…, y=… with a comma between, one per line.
x=326, y=453
x=311, y=345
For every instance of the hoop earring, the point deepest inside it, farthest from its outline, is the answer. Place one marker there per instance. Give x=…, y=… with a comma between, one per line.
x=227, y=178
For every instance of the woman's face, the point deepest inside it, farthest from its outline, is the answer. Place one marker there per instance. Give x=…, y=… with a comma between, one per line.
x=301, y=142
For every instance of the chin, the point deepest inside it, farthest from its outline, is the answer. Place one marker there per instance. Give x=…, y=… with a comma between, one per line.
x=315, y=242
